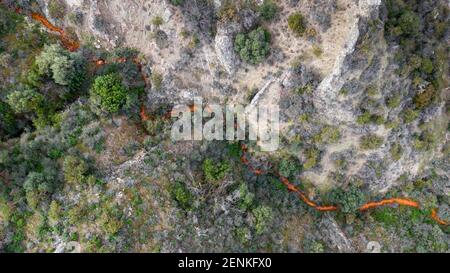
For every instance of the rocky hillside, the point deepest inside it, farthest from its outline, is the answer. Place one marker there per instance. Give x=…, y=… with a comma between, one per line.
x=86, y=158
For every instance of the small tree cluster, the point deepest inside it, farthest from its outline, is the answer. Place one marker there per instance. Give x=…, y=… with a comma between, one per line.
x=254, y=46
x=109, y=92
x=64, y=67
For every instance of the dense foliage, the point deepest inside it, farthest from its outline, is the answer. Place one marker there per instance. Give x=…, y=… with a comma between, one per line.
x=254, y=46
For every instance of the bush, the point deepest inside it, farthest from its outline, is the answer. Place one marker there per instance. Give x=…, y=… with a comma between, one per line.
x=54, y=213
x=425, y=141
x=64, y=67
x=7, y=121
x=7, y=21
x=425, y=98
x=396, y=151
x=263, y=215
x=394, y=101
x=288, y=167
x=371, y=142
x=367, y=118
x=38, y=187
x=350, y=200
x=312, y=158
x=26, y=101
x=427, y=66
x=296, y=23
x=214, y=172
x=75, y=170
x=328, y=135
x=157, y=21
x=157, y=80
x=110, y=91
x=268, y=10
x=253, y=47
x=409, y=115
x=182, y=195
x=246, y=197
x=409, y=23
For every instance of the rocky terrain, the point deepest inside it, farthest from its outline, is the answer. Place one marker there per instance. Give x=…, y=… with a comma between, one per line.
x=362, y=87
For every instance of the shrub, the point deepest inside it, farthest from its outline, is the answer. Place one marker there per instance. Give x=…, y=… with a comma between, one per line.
x=367, y=118
x=394, y=101
x=268, y=10
x=328, y=135
x=37, y=188
x=296, y=23
x=371, y=142
x=246, y=197
x=288, y=167
x=7, y=21
x=409, y=23
x=157, y=21
x=427, y=66
x=312, y=158
x=64, y=67
x=182, y=195
x=110, y=91
x=177, y=2
x=425, y=98
x=317, y=50
x=253, y=47
x=7, y=120
x=157, y=79
x=350, y=200
x=409, y=115
x=425, y=141
x=75, y=170
x=214, y=172
x=263, y=215
x=25, y=101
x=396, y=151
x=228, y=12
x=110, y=221
x=54, y=213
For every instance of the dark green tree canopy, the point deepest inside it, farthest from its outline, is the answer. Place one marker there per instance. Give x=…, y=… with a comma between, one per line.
x=109, y=92
x=254, y=46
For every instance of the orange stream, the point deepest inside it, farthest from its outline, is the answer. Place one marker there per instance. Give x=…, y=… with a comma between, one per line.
x=371, y=205
x=67, y=42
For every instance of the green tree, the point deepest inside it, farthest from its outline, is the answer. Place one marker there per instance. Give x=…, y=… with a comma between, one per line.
x=182, y=195
x=110, y=92
x=409, y=23
x=350, y=200
x=254, y=46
